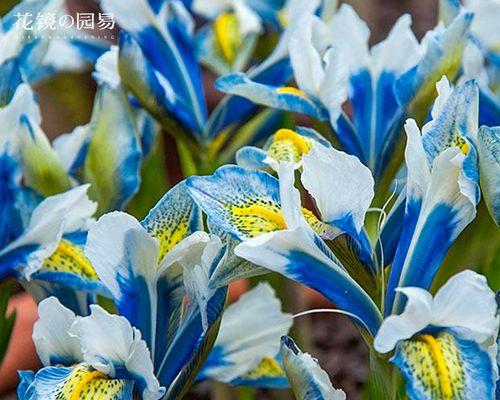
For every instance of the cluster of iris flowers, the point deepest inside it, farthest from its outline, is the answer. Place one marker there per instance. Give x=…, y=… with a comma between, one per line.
x=400, y=148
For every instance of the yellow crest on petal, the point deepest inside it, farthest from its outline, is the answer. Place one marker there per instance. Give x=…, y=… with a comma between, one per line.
x=70, y=258
x=268, y=367
x=291, y=90
x=85, y=383
x=257, y=218
x=227, y=35
x=436, y=365
x=289, y=146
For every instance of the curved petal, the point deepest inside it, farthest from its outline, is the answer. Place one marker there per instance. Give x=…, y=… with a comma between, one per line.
x=125, y=258
x=56, y=215
x=250, y=331
x=308, y=380
x=466, y=303
x=50, y=333
x=295, y=254
x=341, y=186
x=242, y=202
x=416, y=316
x=54, y=383
x=109, y=342
x=489, y=165
x=283, y=98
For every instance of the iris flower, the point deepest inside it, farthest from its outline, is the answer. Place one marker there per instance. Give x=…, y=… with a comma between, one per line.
x=274, y=231
x=334, y=68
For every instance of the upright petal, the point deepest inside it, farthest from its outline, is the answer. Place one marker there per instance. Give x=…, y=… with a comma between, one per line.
x=489, y=165
x=50, y=333
x=109, y=342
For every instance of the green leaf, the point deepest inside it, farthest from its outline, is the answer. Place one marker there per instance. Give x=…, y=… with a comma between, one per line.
x=6, y=321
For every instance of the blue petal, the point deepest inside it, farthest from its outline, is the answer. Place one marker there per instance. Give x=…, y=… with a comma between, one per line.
x=234, y=187
x=234, y=108
x=268, y=95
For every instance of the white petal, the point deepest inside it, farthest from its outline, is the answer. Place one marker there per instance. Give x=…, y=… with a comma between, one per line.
x=334, y=88
x=109, y=341
x=416, y=316
x=250, y=330
x=50, y=333
x=340, y=184
x=119, y=248
x=350, y=35
x=69, y=145
x=290, y=197
x=23, y=103
x=305, y=59
x=106, y=68
x=249, y=21
x=467, y=303
x=399, y=51
x=416, y=161
x=63, y=213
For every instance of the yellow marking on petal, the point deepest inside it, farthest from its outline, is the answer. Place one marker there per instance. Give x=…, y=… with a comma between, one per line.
x=292, y=90
x=70, y=258
x=258, y=218
x=268, y=367
x=227, y=35
x=84, y=382
x=289, y=146
x=435, y=366
x=283, y=18
x=169, y=236
x=459, y=141
x=441, y=364
x=318, y=226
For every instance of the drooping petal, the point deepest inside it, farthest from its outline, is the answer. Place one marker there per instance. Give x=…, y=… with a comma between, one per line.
x=109, y=342
x=283, y=98
x=50, y=333
x=295, y=254
x=81, y=381
x=64, y=213
x=307, y=379
x=443, y=365
x=242, y=202
x=489, y=164
x=250, y=331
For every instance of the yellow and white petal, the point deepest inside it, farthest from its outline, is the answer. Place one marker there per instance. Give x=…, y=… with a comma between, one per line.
x=81, y=382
